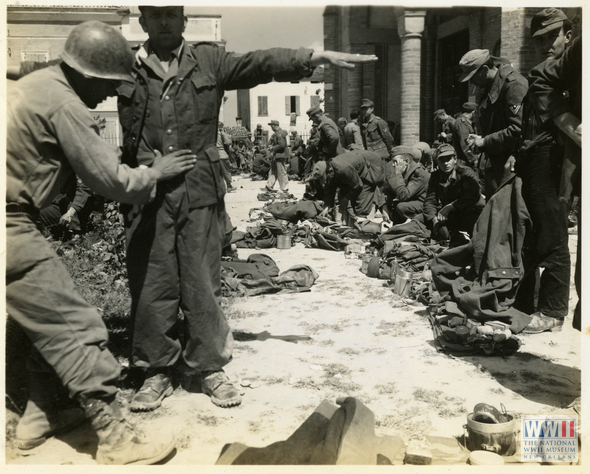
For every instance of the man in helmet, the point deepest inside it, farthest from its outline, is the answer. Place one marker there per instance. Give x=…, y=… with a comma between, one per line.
x=174, y=253
x=50, y=136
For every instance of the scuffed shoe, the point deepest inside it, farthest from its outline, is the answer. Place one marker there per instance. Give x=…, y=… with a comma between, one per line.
x=219, y=388
x=43, y=420
x=232, y=189
x=120, y=443
x=541, y=323
x=154, y=389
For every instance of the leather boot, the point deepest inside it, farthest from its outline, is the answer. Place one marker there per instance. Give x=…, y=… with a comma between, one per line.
x=42, y=420
x=48, y=411
x=118, y=442
x=217, y=385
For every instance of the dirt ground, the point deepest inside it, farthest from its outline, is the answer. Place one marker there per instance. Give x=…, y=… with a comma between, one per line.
x=359, y=339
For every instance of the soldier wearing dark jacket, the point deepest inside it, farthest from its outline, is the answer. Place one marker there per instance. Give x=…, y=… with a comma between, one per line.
x=375, y=131
x=406, y=182
x=328, y=132
x=279, y=154
x=540, y=163
x=175, y=242
x=357, y=174
x=500, y=111
x=453, y=200
x=464, y=126
x=548, y=83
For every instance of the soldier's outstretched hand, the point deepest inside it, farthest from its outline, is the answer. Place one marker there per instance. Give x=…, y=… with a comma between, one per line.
x=340, y=60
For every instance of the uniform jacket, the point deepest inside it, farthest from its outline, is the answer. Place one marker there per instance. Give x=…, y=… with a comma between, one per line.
x=329, y=134
x=409, y=186
x=462, y=127
x=376, y=137
x=461, y=189
x=495, y=256
x=352, y=170
x=297, y=146
x=205, y=71
x=223, y=144
x=277, y=145
x=551, y=79
x=500, y=113
x=353, y=140
x=51, y=134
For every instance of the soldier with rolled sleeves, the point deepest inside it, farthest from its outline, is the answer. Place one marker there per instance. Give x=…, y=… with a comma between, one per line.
x=447, y=122
x=329, y=134
x=375, y=131
x=464, y=126
x=500, y=111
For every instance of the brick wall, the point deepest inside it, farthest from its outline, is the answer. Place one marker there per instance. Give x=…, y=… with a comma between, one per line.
x=410, y=71
x=394, y=99
x=491, y=27
x=514, y=40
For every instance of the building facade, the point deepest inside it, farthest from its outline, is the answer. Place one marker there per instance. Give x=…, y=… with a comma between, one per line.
x=39, y=33
x=419, y=51
x=286, y=102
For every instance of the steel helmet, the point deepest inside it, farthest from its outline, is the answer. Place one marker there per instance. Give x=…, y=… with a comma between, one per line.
x=96, y=49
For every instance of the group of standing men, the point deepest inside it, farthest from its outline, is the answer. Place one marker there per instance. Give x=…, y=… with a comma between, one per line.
x=473, y=159
x=169, y=94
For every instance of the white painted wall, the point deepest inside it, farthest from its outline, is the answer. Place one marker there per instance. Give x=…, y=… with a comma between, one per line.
x=276, y=93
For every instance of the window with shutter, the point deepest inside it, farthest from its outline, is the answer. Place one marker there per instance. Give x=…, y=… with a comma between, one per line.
x=262, y=106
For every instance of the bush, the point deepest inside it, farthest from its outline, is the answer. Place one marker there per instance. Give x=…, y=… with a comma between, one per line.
x=96, y=262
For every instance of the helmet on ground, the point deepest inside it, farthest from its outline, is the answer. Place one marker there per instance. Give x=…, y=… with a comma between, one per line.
x=96, y=49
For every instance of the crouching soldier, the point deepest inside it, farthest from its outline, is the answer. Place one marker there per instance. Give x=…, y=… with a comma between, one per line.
x=358, y=174
x=453, y=200
x=406, y=182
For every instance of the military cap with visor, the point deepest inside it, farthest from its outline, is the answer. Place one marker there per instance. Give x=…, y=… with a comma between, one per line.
x=547, y=20
x=313, y=111
x=367, y=103
x=445, y=151
x=472, y=61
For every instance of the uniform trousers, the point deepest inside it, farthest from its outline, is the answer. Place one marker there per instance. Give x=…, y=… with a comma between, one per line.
x=540, y=172
x=174, y=261
x=67, y=333
x=278, y=172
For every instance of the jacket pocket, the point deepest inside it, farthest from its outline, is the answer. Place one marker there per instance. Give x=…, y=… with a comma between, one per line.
x=205, y=184
x=205, y=97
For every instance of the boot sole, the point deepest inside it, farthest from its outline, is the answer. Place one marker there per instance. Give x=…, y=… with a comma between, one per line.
x=144, y=406
x=158, y=457
x=540, y=331
x=232, y=402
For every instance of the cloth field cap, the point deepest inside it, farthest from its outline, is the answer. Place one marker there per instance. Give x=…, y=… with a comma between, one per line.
x=422, y=146
x=469, y=106
x=274, y=122
x=367, y=103
x=313, y=111
x=546, y=20
x=342, y=120
x=472, y=61
x=438, y=113
x=319, y=170
x=415, y=153
x=445, y=150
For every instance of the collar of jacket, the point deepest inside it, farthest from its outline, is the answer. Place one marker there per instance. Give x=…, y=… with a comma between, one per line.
x=504, y=71
x=187, y=60
x=412, y=166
